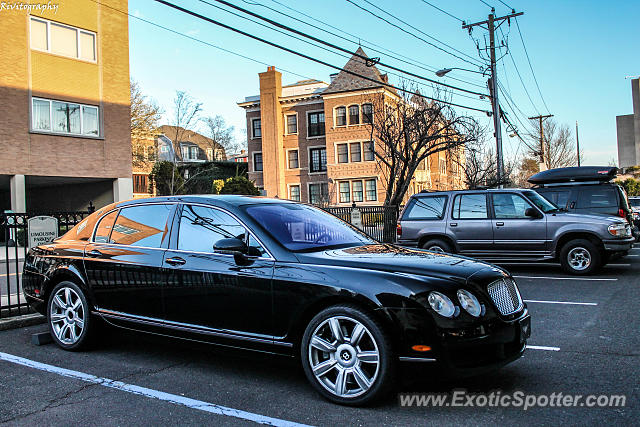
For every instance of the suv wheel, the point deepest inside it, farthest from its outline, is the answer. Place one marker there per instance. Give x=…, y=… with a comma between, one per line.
x=437, y=245
x=580, y=257
x=347, y=356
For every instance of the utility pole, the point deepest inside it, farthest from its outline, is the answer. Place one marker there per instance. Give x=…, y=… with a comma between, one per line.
x=577, y=144
x=541, y=119
x=493, y=81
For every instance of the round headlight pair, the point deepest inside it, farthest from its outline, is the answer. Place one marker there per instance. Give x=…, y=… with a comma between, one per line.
x=442, y=305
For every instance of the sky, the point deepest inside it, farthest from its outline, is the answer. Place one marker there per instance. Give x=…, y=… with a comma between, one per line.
x=580, y=52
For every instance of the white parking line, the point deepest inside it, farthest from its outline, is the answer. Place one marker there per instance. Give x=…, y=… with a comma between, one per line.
x=560, y=302
x=147, y=392
x=606, y=279
x=542, y=347
x=554, y=263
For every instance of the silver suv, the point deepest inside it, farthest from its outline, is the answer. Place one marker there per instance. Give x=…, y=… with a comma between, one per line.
x=511, y=224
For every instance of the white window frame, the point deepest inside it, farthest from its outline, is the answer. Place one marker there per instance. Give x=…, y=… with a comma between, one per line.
x=307, y=124
x=348, y=153
x=364, y=189
x=335, y=116
x=253, y=161
x=440, y=169
x=286, y=124
x=373, y=143
x=76, y=29
x=51, y=131
x=289, y=151
x=253, y=128
x=289, y=186
x=353, y=199
x=349, y=115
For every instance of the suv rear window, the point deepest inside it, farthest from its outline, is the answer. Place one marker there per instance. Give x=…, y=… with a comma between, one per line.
x=427, y=207
x=598, y=197
x=470, y=206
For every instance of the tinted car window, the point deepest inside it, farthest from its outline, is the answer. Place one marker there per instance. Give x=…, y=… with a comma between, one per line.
x=597, y=197
x=507, y=206
x=430, y=207
x=202, y=227
x=559, y=198
x=104, y=228
x=470, y=206
x=144, y=225
x=635, y=202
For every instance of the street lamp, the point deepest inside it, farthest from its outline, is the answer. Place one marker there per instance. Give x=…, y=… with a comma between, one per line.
x=442, y=72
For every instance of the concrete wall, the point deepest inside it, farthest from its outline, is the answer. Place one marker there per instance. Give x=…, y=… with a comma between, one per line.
x=626, y=141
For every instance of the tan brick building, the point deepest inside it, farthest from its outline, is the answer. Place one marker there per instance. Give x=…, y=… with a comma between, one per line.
x=310, y=141
x=64, y=106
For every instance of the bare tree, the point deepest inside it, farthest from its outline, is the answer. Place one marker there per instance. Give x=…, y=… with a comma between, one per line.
x=221, y=135
x=559, y=145
x=528, y=166
x=408, y=129
x=145, y=115
x=186, y=112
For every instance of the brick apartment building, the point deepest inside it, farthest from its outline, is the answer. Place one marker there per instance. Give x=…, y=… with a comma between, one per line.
x=311, y=141
x=192, y=148
x=64, y=106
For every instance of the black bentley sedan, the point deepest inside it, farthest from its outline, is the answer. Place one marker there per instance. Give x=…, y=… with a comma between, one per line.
x=281, y=277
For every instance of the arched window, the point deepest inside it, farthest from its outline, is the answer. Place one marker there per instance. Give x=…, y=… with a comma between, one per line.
x=354, y=114
x=367, y=113
x=341, y=116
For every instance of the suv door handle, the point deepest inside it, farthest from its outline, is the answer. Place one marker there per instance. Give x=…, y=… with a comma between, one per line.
x=94, y=253
x=453, y=224
x=175, y=261
x=499, y=224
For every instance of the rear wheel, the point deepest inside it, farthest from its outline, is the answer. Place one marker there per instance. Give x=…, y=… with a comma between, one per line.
x=69, y=318
x=581, y=257
x=347, y=356
x=437, y=245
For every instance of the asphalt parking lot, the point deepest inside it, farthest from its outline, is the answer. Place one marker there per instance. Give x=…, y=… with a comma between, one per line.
x=584, y=341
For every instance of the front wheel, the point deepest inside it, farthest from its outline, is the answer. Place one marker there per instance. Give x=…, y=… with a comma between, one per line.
x=347, y=356
x=580, y=257
x=69, y=318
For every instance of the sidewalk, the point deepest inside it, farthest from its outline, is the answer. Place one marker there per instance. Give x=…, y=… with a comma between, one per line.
x=12, y=253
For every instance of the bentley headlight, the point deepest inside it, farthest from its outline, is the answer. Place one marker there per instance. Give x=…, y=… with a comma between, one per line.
x=469, y=302
x=441, y=304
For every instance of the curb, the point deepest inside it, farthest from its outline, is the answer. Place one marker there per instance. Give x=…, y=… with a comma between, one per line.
x=22, y=321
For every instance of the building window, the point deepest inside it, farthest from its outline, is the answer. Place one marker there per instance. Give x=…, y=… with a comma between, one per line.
x=193, y=153
x=341, y=116
x=443, y=167
x=63, y=40
x=354, y=150
x=371, y=190
x=367, y=113
x=354, y=114
x=294, y=193
x=367, y=147
x=185, y=153
x=345, y=192
x=315, y=126
x=256, y=128
x=293, y=159
x=356, y=188
x=64, y=117
x=257, y=162
x=292, y=124
x=343, y=154
x=318, y=160
x=210, y=154
x=140, y=184
x=318, y=193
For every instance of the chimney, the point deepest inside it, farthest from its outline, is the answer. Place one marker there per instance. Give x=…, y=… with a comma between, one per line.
x=272, y=131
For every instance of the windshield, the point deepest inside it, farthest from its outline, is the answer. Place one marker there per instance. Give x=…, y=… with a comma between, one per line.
x=305, y=228
x=543, y=204
x=635, y=202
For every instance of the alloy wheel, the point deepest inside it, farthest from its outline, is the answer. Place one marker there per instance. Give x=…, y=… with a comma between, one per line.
x=579, y=258
x=66, y=313
x=344, y=356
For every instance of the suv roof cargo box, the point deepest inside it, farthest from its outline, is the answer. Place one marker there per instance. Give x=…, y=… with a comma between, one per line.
x=575, y=174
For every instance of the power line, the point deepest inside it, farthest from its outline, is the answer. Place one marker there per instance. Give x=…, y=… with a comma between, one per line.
x=334, y=46
x=406, y=60
x=530, y=66
x=412, y=34
x=523, y=85
x=308, y=57
x=487, y=4
x=443, y=11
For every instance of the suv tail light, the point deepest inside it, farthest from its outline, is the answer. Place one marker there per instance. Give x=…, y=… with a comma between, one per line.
x=399, y=230
x=621, y=213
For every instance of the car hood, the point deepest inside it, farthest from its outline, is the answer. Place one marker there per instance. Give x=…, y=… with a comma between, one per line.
x=397, y=259
x=592, y=218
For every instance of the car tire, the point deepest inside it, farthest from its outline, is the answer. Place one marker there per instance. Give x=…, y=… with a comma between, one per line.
x=437, y=245
x=341, y=370
x=580, y=257
x=70, y=322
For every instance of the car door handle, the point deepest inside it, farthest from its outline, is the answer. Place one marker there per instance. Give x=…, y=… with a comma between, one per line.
x=499, y=224
x=175, y=261
x=94, y=253
x=453, y=224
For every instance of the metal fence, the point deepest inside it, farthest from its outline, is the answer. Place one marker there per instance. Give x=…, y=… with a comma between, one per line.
x=379, y=222
x=14, y=244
